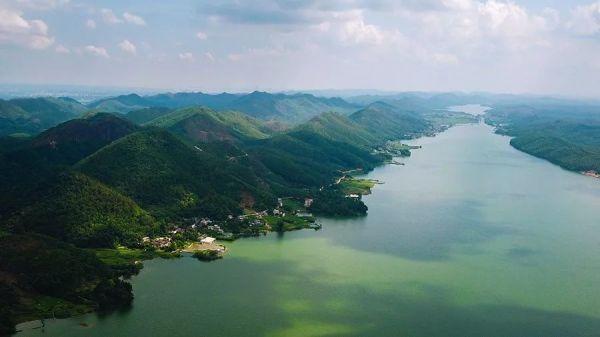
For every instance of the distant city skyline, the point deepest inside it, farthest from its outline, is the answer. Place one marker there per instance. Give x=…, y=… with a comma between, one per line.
x=536, y=47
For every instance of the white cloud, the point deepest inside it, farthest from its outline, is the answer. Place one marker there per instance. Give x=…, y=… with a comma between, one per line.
x=209, y=56
x=62, y=49
x=134, y=19
x=128, y=47
x=109, y=17
x=15, y=29
x=42, y=4
x=585, y=20
x=351, y=28
x=444, y=58
x=508, y=19
x=96, y=51
x=234, y=57
x=201, y=36
x=187, y=56
x=357, y=31
x=91, y=24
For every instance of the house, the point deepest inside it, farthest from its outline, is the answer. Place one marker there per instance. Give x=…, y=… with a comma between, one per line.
x=308, y=202
x=216, y=228
x=276, y=212
x=279, y=202
x=205, y=222
x=208, y=239
x=162, y=242
x=353, y=196
x=177, y=230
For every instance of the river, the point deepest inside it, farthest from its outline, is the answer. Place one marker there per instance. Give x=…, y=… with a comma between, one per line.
x=470, y=238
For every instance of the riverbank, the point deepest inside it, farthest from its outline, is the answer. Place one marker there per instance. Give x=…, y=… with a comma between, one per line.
x=130, y=261
x=470, y=229
x=592, y=174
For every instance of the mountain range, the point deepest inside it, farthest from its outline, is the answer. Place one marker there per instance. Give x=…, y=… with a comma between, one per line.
x=266, y=106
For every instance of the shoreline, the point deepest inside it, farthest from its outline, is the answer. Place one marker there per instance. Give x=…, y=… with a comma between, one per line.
x=188, y=249
x=591, y=173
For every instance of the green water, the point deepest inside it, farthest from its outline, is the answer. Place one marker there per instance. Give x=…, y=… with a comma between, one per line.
x=470, y=238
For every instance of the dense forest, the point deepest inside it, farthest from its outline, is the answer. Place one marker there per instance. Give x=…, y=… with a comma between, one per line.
x=77, y=181
x=564, y=134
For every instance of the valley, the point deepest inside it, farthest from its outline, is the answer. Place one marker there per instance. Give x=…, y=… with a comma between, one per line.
x=111, y=188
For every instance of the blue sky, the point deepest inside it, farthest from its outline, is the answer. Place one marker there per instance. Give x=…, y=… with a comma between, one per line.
x=534, y=46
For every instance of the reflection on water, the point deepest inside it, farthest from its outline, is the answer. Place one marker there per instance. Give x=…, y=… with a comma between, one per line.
x=469, y=238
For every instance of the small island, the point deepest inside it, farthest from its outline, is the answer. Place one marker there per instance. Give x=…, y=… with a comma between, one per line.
x=206, y=249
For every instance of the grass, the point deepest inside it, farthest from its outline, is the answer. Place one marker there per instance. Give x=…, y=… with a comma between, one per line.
x=357, y=186
x=121, y=255
x=39, y=306
x=288, y=222
x=291, y=204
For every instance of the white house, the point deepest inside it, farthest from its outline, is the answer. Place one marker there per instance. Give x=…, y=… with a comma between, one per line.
x=208, y=239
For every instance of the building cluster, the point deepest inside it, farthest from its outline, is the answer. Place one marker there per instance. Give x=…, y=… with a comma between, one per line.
x=203, y=226
x=159, y=242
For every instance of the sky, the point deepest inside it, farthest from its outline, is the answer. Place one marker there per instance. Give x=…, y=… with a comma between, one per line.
x=525, y=46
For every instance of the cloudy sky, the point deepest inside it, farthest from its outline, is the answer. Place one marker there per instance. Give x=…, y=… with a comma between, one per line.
x=532, y=46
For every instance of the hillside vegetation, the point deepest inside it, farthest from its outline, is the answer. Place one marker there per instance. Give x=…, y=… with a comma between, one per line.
x=168, y=178
x=386, y=121
x=205, y=125
x=261, y=105
x=565, y=135
x=33, y=115
x=135, y=167
x=82, y=211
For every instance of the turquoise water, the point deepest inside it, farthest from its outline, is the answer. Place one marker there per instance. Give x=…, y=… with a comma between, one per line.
x=470, y=238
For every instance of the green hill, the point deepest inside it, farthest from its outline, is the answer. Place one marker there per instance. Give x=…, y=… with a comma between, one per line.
x=145, y=115
x=204, y=125
x=45, y=278
x=121, y=104
x=170, y=179
x=340, y=128
x=564, y=134
x=73, y=140
x=387, y=122
x=288, y=108
x=82, y=211
x=33, y=115
x=186, y=99
x=31, y=161
x=304, y=158
x=261, y=105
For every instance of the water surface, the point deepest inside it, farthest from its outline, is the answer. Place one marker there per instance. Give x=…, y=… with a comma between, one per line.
x=473, y=109
x=470, y=238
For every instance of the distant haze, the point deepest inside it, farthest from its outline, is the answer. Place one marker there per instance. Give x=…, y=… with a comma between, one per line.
x=520, y=46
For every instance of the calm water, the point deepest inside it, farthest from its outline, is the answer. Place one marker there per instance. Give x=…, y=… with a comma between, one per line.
x=470, y=238
x=473, y=109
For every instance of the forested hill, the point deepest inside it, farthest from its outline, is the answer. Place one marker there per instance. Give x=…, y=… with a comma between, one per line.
x=565, y=134
x=262, y=105
x=33, y=115
x=87, y=179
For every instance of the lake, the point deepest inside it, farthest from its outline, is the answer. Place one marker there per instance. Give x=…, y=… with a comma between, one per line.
x=472, y=109
x=470, y=238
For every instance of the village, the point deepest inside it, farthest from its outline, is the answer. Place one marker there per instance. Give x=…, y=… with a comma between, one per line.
x=203, y=237
x=200, y=235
